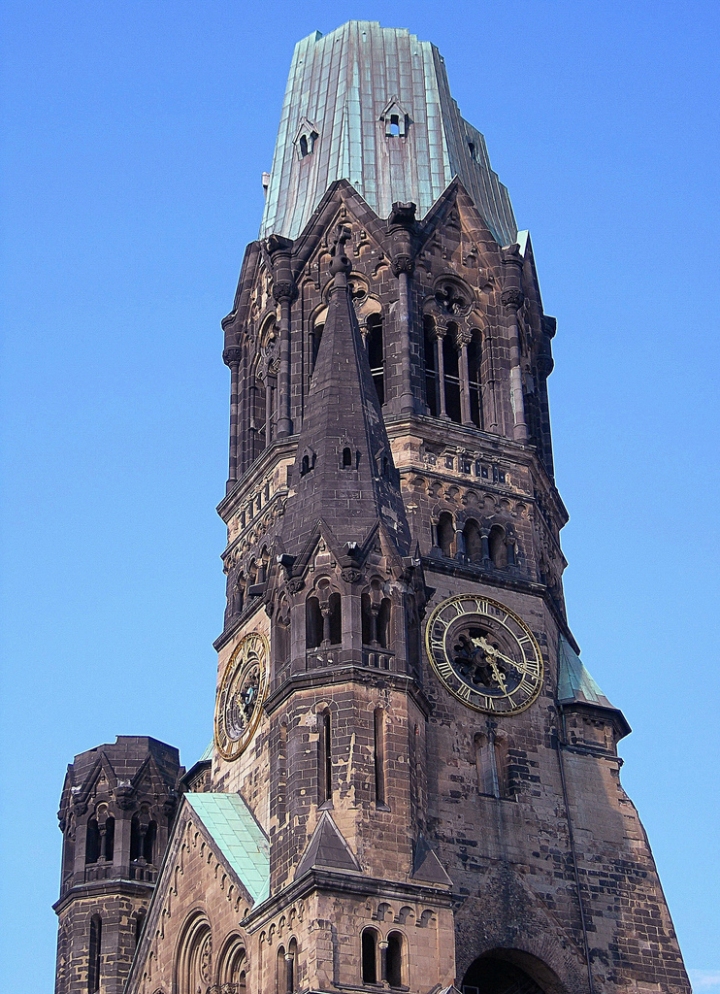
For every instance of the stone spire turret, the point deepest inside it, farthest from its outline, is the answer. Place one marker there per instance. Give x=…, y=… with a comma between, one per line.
x=344, y=475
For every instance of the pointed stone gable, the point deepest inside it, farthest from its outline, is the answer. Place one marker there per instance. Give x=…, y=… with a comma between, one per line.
x=344, y=475
x=426, y=866
x=327, y=850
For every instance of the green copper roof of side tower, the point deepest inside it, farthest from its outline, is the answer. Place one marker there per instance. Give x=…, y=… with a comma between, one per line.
x=372, y=105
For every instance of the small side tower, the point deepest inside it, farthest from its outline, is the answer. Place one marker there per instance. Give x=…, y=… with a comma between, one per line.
x=116, y=810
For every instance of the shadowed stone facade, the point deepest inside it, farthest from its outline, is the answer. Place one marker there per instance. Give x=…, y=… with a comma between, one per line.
x=372, y=814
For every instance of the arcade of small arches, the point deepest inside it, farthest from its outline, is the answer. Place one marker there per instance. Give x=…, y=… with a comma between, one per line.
x=487, y=544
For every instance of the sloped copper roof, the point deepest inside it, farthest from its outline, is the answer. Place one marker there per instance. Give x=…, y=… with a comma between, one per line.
x=343, y=86
x=242, y=842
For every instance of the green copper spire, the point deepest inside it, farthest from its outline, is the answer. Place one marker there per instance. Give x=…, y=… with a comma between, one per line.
x=372, y=105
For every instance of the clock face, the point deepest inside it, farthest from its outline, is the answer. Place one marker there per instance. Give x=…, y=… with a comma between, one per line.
x=484, y=654
x=241, y=695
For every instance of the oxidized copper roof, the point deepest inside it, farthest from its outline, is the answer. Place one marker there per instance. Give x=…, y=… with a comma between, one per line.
x=344, y=88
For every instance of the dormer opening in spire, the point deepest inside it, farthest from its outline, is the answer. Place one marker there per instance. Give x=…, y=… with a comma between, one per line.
x=395, y=119
x=305, y=138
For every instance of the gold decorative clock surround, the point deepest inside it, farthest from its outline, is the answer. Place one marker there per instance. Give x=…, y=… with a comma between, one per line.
x=484, y=654
x=241, y=695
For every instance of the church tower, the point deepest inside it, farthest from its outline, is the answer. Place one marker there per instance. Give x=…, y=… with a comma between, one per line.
x=414, y=781
x=116, y=811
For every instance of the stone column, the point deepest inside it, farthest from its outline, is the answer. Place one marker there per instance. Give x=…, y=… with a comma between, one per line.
x=400, y=226
x=284, y=292
x=464, y=338
x=232, y=358
x=439, y=335
x=512, y=299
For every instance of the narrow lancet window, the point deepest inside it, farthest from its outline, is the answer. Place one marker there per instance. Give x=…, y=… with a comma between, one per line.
x=445, y=533
x=432, y=393
x=452, y=375
x=369, y=956
x=379, y=723
x=94, y=954
x=376, y=354
x=394, y=968
x=325, y=758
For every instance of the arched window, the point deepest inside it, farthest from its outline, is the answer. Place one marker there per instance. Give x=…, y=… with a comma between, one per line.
x=367, y=619
x=282, y=635
x=347, y=458
x=109, y=840
x=149, y=842
x=335, y=619
x=474, y=359
x=314, y=623
x=432, y=392
x=451, y=361
x=412, y=636
x=473, y=541
x=306, y=143
x=394, y=961
x=95, y=954
x=383, y=623
x=316, y=336
x=69, y=848
x=92, y=841
x=142, y=837
x=281, y=972
x=376, y=354
x=498, y=549
x=192, y=970
x=488, y=974
x=369, y=942
x=325, y=759
x=231, y=964
x=445, y=533
x=291, y=961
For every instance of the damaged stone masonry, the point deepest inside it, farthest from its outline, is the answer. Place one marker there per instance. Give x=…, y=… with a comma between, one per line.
x=413, y=782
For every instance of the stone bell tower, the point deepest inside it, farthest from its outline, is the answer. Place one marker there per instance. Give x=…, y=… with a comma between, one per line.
x=116, y=810
x=414, y=780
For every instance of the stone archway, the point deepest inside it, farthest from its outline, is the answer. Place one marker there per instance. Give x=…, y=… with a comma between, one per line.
x=491, y=974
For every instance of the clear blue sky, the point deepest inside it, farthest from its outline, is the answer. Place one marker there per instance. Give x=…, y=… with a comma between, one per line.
x=135, y=137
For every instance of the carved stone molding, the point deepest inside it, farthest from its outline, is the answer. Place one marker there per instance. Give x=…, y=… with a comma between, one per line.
x=232, y=354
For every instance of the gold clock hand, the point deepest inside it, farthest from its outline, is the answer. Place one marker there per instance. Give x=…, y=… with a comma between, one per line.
x=492, y=651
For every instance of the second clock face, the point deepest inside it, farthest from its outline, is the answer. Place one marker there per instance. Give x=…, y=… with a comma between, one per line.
x=241, y=694
x=484, y=654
